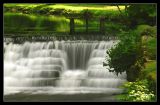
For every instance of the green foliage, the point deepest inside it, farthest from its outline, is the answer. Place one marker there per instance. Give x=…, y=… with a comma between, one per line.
x=64, y=9
x=148, y=34
x=25, y=22
x=59, y=11
x=150, y=44
x=111, y=13
x=114, y=29
x=129, y=54
x=14, y=22
x=141, y=14
x=69, y=10
x=146, y=30
x=149, y=72
x=137, y=91
x=126, y=55
x=149, y=67
x=151, y=48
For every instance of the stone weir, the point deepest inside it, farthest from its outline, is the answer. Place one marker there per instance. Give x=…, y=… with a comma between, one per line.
x=21, y=39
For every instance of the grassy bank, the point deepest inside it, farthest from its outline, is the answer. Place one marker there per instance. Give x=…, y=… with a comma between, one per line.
x=18, y=22
x=14, y=22
x=97, y=9
x=54, y=17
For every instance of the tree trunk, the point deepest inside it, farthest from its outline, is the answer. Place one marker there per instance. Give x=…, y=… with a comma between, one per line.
x=102, y=25
x=71, y=25
x=86, y=25
x=132, y=74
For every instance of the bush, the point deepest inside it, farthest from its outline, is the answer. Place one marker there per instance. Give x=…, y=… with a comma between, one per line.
x=146, y=30
x=127, y=56
x=43, y=11
x=113, y=28
x=151, y=46
x=137, y=91
x=152, y=82
x=149, y=72
x=57, y=11
x=141, y=14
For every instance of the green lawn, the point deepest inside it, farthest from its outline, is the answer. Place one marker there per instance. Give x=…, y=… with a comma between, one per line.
x=39, y=17
x=77, y=7
x=96, y=9
x=14, y=22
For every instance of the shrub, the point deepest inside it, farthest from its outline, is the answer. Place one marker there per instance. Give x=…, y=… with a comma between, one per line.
x=149, y=72
x=137, y=91
x=141, y=14
x=151, y=46
x=146, y=30
x=127, y=56
x=57, y=11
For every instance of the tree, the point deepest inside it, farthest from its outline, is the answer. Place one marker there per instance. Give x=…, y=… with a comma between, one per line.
x=141, y=14
x=135, y=14
x=127, y=56
x=87, y=15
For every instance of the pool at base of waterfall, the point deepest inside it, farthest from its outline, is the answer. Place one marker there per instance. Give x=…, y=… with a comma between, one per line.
x=79, y=97
x=61, y=90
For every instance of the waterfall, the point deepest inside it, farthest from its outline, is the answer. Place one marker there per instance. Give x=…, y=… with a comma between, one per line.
x=59, y=67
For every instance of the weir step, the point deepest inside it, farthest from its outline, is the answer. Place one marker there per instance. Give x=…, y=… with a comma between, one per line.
x=20, y=39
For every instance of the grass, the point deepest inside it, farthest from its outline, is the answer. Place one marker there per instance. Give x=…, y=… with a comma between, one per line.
x=15, y=20
x=120, y=97
x=77, y=7
x=25, y=22
x=96, y=9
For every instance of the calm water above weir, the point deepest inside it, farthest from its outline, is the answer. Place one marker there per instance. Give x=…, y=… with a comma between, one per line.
x=59, y=70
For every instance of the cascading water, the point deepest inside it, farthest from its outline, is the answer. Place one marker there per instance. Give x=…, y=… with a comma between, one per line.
x=59, y=67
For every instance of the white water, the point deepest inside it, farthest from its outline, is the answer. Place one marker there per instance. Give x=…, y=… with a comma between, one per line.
x=59, y=67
